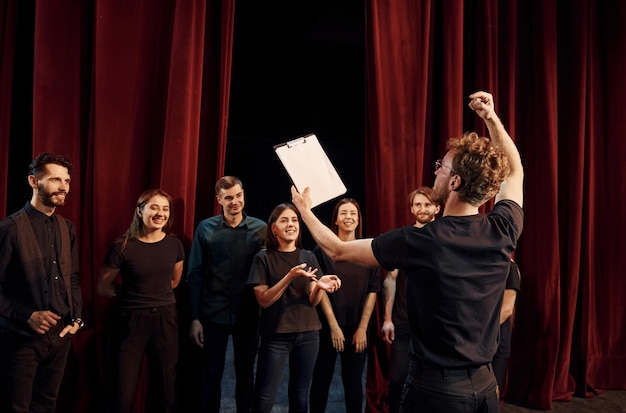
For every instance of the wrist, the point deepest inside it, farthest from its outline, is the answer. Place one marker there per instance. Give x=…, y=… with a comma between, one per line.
x=79, y=321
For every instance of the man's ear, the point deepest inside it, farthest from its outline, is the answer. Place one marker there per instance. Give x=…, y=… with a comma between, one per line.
x=32, y=181
x=456, y=182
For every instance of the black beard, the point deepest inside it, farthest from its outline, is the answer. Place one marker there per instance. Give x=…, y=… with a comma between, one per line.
x=46, y=197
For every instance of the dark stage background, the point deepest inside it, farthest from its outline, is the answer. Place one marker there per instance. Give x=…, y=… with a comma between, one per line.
x=174, y=94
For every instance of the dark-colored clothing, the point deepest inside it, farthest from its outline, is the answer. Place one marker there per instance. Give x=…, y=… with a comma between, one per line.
x=456, y=269
x=289, y=331
x=501, y=359
x=220, y=298
x=400, y=347
x=347, y=304
x=435, y=390
x=245, y=346
x=352, y=364
x=38, y=271
x=276, y=350
x=146, y=320
x=292, y=312
x=219, y=265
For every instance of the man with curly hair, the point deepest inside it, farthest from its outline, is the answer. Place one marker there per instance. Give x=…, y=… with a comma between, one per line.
x=455, y=266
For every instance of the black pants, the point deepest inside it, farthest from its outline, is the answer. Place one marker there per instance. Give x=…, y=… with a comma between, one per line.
x=245, y=346
x=31, y=370
x=352, y=364
x=434, y=389
x=149, y=331
x=398, y=367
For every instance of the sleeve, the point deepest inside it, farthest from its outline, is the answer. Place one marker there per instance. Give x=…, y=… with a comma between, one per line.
x=181, y=251
x=374, y=280
x=259, y=271
x=114, y=257
x=389, y=248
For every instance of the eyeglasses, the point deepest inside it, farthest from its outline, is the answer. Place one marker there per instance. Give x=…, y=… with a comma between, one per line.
x=439, y=164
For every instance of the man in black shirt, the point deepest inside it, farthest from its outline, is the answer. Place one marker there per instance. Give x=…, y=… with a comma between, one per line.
x=456, y=268
x=40, y=297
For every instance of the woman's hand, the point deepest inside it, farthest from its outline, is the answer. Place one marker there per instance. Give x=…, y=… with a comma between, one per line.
x=329, y=283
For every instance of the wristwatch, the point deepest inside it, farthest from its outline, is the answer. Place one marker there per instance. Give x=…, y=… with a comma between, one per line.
x=78, y=321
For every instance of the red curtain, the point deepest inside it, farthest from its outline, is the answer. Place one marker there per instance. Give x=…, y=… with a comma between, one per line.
x=136, y=94
x=556, y=71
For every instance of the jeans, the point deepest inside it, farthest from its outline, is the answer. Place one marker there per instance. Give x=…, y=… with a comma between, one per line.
x=433, y=389
x=352, y=364
x=245, y=346
x=31, y=370
x=300, y=349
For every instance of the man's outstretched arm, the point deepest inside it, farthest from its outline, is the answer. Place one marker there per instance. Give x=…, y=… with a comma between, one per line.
x=358, y=251
x=512, y=188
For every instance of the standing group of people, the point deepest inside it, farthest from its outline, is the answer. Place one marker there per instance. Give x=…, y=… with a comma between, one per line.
x=253, y=281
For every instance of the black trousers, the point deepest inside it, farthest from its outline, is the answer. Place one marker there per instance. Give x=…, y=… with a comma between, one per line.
x=245, y=347
x=149, y=331
x=352, y=365
x=31, y=370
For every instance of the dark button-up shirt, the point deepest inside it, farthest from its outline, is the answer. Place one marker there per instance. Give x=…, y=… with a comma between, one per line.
x=219, y=265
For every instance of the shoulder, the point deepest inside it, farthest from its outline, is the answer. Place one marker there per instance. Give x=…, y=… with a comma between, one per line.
x=254, y=222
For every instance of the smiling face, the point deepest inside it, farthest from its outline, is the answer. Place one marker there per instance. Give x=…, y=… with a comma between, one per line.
x=231, y=200
x=423, y=209
x=51, y=187
x=155, y=214
x=347, y=218
x=286, y=230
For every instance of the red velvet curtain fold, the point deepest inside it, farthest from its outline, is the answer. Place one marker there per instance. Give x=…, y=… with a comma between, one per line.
x=119, y=87
x=556, y=71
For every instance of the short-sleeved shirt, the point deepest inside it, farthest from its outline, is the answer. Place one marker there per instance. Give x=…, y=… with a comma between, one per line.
x=456, y=271
x=357, y=282
x=218, y=269
x=292, y=312
x=146, y=269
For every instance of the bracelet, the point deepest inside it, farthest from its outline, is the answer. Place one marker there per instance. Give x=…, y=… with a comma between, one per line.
x=78, y=321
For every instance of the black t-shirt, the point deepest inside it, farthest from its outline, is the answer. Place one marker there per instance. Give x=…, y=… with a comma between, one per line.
x=292, y=312
x=357, y=282
x=456, y=270
x=146, y=270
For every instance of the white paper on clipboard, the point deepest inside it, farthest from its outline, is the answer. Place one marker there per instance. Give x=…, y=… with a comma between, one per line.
x=308, y=166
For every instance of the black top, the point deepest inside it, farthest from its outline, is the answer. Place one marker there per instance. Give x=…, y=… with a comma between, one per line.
x=456, y=271
x=292, y=312
x=146, y=270
x=357, y=282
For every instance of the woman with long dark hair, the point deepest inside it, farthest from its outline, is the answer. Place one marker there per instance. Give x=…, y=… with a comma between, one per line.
x=287, y=287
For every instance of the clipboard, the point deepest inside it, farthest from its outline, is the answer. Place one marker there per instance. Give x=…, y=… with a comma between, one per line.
x=308, y=166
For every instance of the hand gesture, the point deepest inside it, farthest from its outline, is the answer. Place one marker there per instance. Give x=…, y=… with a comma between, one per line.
x=482, y=103
x=299, y=271
x=329, y=283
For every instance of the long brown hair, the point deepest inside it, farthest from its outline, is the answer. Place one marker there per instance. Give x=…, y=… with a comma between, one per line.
x=136, y=229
